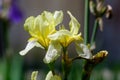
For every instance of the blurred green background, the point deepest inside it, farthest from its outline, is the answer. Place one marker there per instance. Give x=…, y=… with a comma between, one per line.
x=16, y=67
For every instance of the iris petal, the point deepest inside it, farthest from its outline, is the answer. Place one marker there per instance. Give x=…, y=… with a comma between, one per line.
x=83, y=51
x=53, y=52
x=32, y=42
x=74, y=24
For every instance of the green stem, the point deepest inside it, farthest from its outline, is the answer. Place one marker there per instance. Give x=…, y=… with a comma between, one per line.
x=51, y=66
x=94, y=32
x=86, y=22
x=66, y=63
x=88, y=67
x=8, y=69
x=4, y=24
x=85, y=75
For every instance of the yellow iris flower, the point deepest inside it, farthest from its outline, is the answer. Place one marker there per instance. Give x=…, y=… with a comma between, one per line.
x=65, y=37
x=44, y=35
x=62, y=38
x=40, y=27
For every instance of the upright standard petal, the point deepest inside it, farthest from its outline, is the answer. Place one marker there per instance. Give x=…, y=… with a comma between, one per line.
x=29, y=25
x=58, y=16
x=74, y=24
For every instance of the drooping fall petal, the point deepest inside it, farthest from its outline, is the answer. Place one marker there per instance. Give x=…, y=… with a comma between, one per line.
x=31, y=44
x=83, y=51
x=53, y=52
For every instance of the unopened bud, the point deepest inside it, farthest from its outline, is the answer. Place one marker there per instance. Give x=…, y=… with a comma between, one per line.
x=92, y=7
x=99, y=57
x=34, y=75
x=109, y=12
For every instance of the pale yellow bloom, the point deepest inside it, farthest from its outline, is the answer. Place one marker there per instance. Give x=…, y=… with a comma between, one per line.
x=40, y=27
x=44, y=35
x=65, y=37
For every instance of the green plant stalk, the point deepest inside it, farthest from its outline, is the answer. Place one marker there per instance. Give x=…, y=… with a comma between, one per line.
x=86, y=22
x=85, y=73
x=6, y=26
x=8, y=68
x=94, y=32
x=51, y=66
x=88, y=67
x=66, y=64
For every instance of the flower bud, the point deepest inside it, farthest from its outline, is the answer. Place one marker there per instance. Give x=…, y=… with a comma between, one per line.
x=109, y=12
x=92, y=7
x=99, y=57
x=34, y=75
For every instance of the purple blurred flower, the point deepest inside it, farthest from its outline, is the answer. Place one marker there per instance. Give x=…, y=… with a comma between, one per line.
x=15, y=14
x=10, y=10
